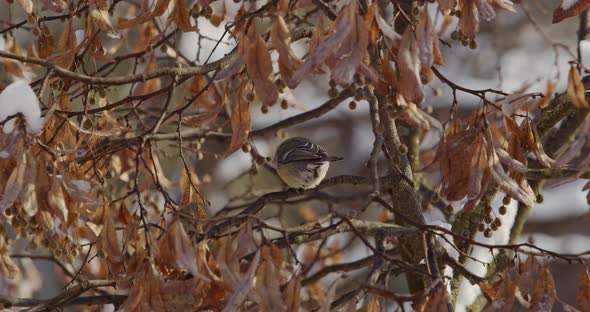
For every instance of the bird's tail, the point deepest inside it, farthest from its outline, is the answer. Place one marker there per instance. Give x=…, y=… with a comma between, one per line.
x=333, y=158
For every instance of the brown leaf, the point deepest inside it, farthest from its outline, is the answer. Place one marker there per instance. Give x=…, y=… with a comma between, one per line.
x=569, y=8
x=424, y=37
x=408, y=63
x=509, y=186
x=98, y=11
x=45, y=44
x=349, y=56
x=281, y=41
x=185, y=252
x=436, y=301
x=110, y=242
x=544, y=294
x=57, y=199
x=584, y=291
x=502, y=292
x=437, y=59
x=66, y=47
x=575, y=89
x=244, y=287
x=14, y=184
x=180, y=15
x=240, y=124
x=318, y=55
x=469, y=22
x=259, y=68
x=292, y=293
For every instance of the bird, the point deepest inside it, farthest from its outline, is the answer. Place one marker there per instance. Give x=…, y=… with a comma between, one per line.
x=302, y=164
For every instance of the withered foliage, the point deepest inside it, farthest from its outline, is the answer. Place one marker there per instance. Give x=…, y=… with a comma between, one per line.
x=111, y=184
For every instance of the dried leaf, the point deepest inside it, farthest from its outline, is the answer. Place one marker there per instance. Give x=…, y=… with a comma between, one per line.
x=575, y=89
x=292, y=293
x=352, y=51
x=437, y=59
x=371, y=22
x=14, y=184
x=543, y=102
x=45, y=44
x=98, y=11
x=280, y=37
x=544, y=294
x=110, y=242
x=185, y=252
x=569, y=8
x=584, y=291
x=502, y=293
x=180, y=15
x=424, y=37
x=469, y=22
x=259, y=68
x=340, y=31
x=240, y=124
x=387, y=30
x=408, y=63
x=241, y=292
x=66, y=47
x=509, y=186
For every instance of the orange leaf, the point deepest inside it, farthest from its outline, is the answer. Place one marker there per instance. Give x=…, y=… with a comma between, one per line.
x=259, y=68
x=569, y=8
x=308, y=214
x=371, y=22
x=438, y=59
x=575, y=89
x=584, y=291
x=240, y=124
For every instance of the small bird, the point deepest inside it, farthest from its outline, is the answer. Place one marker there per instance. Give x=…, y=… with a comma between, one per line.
x=302, y=164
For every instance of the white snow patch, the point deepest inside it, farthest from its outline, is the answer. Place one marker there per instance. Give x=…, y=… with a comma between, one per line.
x=19, y=97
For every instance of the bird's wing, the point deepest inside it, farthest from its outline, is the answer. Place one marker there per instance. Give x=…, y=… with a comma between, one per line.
x=304, y=152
